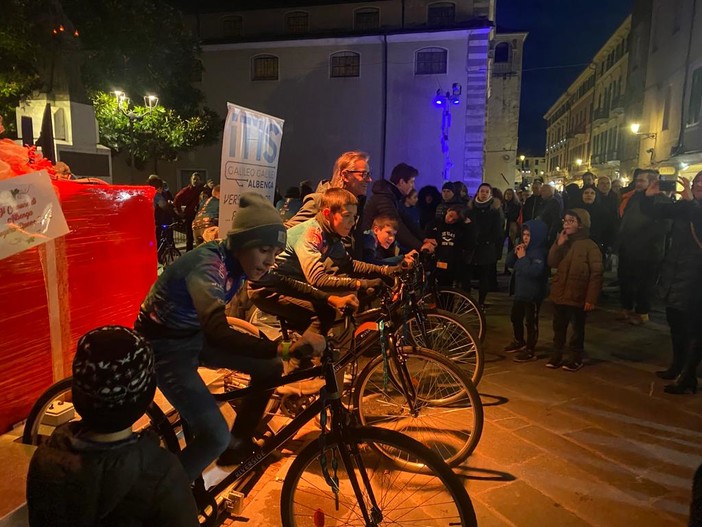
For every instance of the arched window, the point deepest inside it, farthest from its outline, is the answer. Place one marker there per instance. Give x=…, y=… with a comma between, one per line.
x=232, y=26
x=366, y=18
x=264, y=68
x=298, y=22
x=431, y=61
x=345, y=64
x=502, y=52
x=441, y=14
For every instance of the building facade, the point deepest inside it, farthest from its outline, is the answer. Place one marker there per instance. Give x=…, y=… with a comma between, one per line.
x=351, y=76
x=586, y=125
x=506, y=51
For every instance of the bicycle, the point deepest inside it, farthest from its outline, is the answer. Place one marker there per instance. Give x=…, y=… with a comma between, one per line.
x=359, y=462
x=167, y=252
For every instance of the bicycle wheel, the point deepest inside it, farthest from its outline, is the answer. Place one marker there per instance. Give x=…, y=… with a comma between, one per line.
x=435, y=497
x=449, y=336
x=37, y=430
x=447, y=415
x=463, y=307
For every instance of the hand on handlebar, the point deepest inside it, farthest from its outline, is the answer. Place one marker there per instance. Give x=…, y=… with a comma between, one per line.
x=344, y=303
x=409, y=260
x=369, y=286
x=428, y=246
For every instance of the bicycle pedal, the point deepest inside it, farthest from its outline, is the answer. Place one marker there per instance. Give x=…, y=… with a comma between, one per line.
x=234, y=503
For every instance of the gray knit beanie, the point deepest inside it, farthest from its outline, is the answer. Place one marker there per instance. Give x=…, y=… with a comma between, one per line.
x=113, y=378
x=256, y=224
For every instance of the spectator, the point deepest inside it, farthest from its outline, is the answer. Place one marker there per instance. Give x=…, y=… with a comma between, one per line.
x=532, y=204
x=455, y=240
x=305, y=190
x=448, y=198
x=206, y=191
x=600, y=228
x=163, y=209
x=379, y=246
x=97, y=471
x=681, y=276
x=387, y=200
x=497, y=199
x=486, y=221
x=588, y=179
x=207, y=216
x=186, y=203
x=411, y=210
x=290, y=204
x=572, y=197
x=461, y=192
x=530, y=281
x=512, y=208
x=575, y=287
x=429, y=200
x=549, y=211
x=351, y=172
x=641, y=248
x=617, y=188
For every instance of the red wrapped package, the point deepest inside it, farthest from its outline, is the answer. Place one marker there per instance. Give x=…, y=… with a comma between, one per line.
x=50, y=295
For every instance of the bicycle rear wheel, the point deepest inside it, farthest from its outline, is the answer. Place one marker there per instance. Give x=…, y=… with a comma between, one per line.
x=435, y=497
x=464, y=307
x=450, y=337
x=447, y=414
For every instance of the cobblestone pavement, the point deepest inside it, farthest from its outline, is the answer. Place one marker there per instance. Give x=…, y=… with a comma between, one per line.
x=600, y=447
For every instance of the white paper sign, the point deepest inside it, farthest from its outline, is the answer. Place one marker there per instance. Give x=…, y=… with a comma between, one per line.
x=30, y=213
x=250, y=152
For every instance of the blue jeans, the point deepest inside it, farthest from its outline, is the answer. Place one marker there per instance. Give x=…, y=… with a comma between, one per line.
x=177, y=361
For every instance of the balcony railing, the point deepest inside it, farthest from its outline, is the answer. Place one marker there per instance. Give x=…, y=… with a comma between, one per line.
x=503, y=68
x=600, y=114
x=617, y=107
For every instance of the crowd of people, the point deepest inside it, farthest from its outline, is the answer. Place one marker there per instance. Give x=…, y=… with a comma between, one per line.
x=311, y=256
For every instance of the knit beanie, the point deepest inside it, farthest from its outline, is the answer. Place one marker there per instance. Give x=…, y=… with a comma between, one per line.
x=113, y=378
x=448, y=185
x=582, y=215
x=256, y=224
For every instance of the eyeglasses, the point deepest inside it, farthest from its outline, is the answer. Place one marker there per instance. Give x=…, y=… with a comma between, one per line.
x=569, y=221
x=365, y=174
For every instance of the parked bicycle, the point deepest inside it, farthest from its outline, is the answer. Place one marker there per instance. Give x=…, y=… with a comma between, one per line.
x=167, y=251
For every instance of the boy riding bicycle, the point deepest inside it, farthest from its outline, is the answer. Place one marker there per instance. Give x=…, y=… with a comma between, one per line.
x=183, y=317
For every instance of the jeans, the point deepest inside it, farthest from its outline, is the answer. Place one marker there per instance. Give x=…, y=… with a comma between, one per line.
x=522, y=310
x=177, y=361
x=562, y=317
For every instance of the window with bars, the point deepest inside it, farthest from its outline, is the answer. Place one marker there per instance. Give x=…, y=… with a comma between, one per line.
x=345, y=64
x=431, y=61
x=366, y=19
x=441, y=14
x=264, y=68
x=232, y=26
x=502, y=52
x=298, y=22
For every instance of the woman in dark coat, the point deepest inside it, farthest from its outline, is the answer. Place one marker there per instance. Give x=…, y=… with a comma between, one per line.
x=429, y=199
x=487, y=226
x=599, y=230
x=512, y=208
x=680, y=279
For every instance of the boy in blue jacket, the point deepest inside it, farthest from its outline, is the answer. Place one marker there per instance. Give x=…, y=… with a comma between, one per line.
x=528, y=259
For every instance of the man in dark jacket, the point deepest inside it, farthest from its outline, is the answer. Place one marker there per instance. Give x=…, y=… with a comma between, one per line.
x=351, y=172
x=97, y=471
x=186, y=203
x=548, y=210
x=386, y=200
x=641, y=248
x=531, y=206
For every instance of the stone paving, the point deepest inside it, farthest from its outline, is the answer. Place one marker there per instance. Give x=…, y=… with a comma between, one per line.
x=600, y=447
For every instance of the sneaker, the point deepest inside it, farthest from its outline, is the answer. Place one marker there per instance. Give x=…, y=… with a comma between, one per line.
x=624, y=315
x=525, y=356
x=638, y=320
x=514, y=346
x=573, y=365
x=554, y=362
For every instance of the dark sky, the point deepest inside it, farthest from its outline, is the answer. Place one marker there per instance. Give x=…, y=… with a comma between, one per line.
x=561, y=33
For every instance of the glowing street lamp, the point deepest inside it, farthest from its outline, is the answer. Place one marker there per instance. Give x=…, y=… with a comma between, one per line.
x=124, y=107
x=635, y=127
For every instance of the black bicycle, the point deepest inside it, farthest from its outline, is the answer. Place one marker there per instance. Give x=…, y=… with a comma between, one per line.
x=350, y=475
x=167, y=251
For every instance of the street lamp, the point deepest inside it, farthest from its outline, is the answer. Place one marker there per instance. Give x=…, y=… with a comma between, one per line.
x=579, y=162
x=123, y=106
x=522, y=158
x=635, y=127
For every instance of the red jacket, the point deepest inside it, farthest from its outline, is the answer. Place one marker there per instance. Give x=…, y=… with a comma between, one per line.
x=188, y=197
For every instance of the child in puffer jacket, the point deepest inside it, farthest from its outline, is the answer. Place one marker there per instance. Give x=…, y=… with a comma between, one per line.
x=575, y=287
x=528, y=259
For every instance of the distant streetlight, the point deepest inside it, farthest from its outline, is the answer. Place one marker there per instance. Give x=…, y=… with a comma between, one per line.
x=522, y=158
x=579, y=162
x=635, y=127
x=123, y=106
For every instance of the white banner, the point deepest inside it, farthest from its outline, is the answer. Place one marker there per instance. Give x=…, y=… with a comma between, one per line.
x=30, y=213
x=250, y=152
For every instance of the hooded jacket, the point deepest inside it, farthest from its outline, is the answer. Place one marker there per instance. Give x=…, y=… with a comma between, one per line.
x=578, y=264
x=75, y=482
x=386, y=200
x=530, y=272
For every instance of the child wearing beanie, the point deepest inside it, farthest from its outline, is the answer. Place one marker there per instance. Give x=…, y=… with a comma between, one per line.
x=184, y=319
x=575, y=287
x=97, y=471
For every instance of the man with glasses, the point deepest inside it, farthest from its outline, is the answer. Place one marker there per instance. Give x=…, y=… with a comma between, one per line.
x=351, y=172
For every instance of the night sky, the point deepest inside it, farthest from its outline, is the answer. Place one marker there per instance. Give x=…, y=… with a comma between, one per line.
x=561, y=33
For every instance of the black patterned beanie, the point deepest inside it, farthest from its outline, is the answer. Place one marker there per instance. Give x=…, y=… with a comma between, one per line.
x=113, y=378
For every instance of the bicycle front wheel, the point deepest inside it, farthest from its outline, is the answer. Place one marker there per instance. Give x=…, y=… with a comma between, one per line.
x=371, y=490
x=442, y=411
x=443, y=332
x=464, y=307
